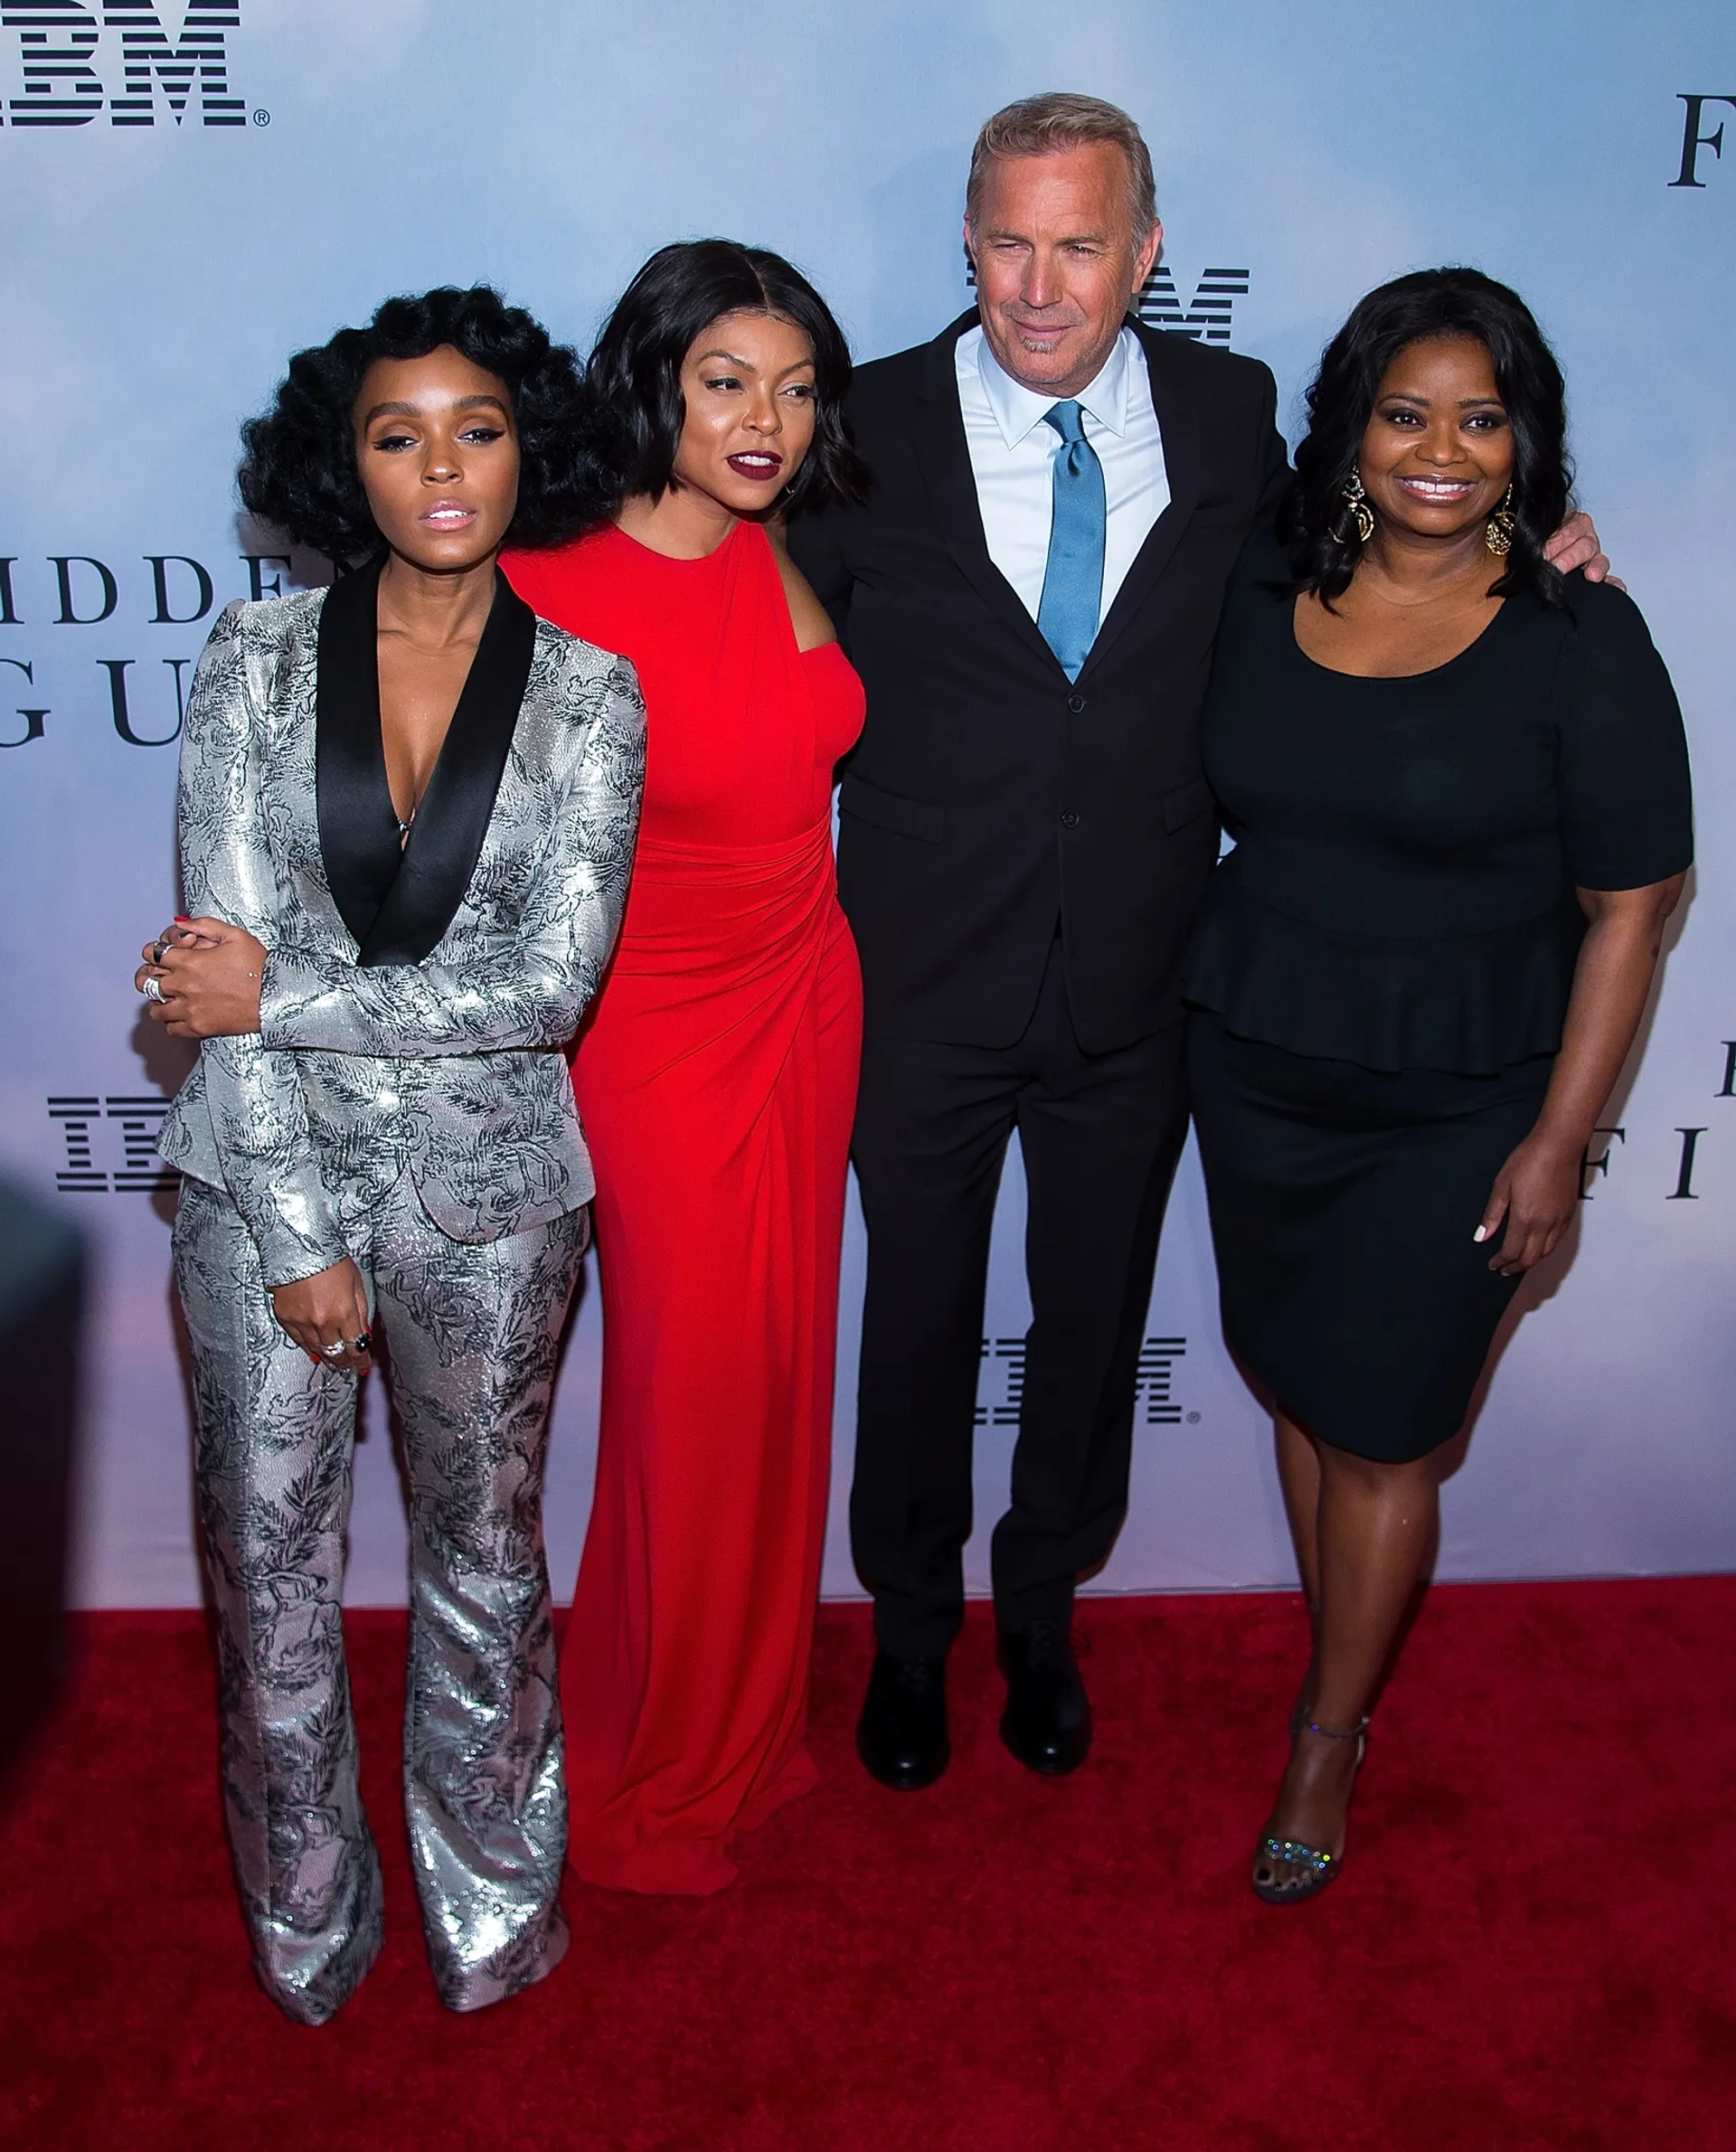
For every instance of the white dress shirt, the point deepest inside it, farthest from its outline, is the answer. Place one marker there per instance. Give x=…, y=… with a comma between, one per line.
x=1012, y=453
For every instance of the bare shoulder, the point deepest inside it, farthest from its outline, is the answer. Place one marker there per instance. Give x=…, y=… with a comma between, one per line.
x=807, y=616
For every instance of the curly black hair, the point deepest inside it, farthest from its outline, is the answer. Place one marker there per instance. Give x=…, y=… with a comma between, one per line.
x=299, y=473
x=1442, y=302
x=634, y=375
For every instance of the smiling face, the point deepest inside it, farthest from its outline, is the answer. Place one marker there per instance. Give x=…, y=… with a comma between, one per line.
x=747, y=386
x=438, y=453
x=1057, y=263
x=1437, y=454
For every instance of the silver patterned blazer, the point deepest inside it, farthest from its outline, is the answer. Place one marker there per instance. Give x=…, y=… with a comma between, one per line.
x=416, y=997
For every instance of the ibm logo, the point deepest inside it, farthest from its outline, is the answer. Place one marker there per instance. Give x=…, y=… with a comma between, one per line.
x=1157, y=1358
x=1005, y=1356
x=1206, y=318
x=136, y=1121
x=1001, y=1393
x=58, y=40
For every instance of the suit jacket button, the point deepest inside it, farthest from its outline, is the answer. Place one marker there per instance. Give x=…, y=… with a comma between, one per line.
x=1070, y=820
x=1075, y=703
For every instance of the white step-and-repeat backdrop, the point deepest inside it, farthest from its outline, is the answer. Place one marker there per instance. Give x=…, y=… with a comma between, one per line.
x=191, y=192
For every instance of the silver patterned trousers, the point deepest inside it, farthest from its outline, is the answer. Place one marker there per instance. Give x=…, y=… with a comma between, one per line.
x=470, y=1335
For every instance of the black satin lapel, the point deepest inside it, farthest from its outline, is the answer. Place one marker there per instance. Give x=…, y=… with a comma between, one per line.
x=451, y=823
x=1179, y=425
x=938, y=425
x=358, y=831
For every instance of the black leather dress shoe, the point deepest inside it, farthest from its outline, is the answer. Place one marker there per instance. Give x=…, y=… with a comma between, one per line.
x=901, y=1734
x=1047, y=1722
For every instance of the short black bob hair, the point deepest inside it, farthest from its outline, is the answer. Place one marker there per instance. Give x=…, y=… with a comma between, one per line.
x=634, y=372
x=298, y=473
x=1442, y=302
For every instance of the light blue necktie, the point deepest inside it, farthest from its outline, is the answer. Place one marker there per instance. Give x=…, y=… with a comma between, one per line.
x=1072, y=579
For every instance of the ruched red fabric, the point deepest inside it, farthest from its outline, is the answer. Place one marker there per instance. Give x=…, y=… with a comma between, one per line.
x=716, y=1081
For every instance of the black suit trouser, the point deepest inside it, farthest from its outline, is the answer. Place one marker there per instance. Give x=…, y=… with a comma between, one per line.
x=1099, y=1135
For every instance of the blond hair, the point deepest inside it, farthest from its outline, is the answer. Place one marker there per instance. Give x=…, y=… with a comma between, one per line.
x=1037, y=127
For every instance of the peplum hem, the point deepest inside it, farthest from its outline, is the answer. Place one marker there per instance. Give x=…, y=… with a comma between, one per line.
x=1470, y=1004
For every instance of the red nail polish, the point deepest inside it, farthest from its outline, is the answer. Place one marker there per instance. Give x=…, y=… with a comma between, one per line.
x=182, y=920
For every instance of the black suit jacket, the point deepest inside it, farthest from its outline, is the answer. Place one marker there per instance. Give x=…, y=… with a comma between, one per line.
x=990, y=797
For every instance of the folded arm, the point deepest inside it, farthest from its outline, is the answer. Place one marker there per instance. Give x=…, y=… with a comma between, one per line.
x=258, y=1114
x=529, y=988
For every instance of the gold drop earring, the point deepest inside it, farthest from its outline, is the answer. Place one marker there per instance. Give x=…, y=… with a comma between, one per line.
x=1356, y=502
x=1498, y=532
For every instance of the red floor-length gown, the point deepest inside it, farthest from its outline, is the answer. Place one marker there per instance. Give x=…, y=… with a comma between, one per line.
x=716, y=1080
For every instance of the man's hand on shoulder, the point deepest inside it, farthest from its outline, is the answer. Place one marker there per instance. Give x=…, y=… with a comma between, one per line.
x=1575, y=545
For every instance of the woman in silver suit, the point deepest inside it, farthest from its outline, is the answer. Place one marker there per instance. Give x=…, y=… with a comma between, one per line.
x=407, y=817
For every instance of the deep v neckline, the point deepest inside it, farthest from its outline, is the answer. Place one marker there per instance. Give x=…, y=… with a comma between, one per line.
x=397, y=893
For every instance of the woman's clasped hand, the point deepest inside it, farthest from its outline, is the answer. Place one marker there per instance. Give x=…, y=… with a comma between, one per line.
x=207, y=975
x=201, y=979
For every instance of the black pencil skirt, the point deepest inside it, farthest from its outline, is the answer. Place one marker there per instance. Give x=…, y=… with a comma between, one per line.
x=1343, y=1203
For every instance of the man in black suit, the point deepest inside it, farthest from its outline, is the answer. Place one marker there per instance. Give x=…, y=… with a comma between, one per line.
x=1031, y=596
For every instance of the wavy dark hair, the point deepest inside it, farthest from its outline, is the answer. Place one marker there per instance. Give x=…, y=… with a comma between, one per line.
x=299, y=473
x=634, y=375
x=1442, y=302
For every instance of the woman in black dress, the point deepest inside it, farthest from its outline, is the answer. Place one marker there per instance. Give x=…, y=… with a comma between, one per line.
x=1458, y=789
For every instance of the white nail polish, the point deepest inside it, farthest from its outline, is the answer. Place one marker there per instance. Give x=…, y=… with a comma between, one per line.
x=1481, y=1233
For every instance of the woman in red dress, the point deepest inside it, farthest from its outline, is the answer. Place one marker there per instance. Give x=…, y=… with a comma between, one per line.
x=717, y=1078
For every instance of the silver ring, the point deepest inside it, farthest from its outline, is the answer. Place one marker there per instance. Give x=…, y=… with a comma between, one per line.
x=158, y=948
x=336, y=1350
x=153, y=987
x=364, y=1344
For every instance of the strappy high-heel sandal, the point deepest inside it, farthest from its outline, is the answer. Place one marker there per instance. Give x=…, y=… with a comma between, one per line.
x=1318, y=1867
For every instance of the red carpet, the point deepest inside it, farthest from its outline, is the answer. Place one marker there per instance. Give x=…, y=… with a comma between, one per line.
x=1530, y=1946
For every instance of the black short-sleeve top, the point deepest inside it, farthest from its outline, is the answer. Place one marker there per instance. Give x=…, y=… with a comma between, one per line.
x=1401, y=892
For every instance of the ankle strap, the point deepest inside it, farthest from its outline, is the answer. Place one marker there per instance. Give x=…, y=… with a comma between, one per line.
x=1354, y=1733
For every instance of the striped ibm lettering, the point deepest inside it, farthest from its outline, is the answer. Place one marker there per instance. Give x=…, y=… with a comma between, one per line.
x=1000, y=1395
x=1157, y=1358
x=1207, y=318
x=136, y=1121
x=61, y=87
x=1159, y=304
